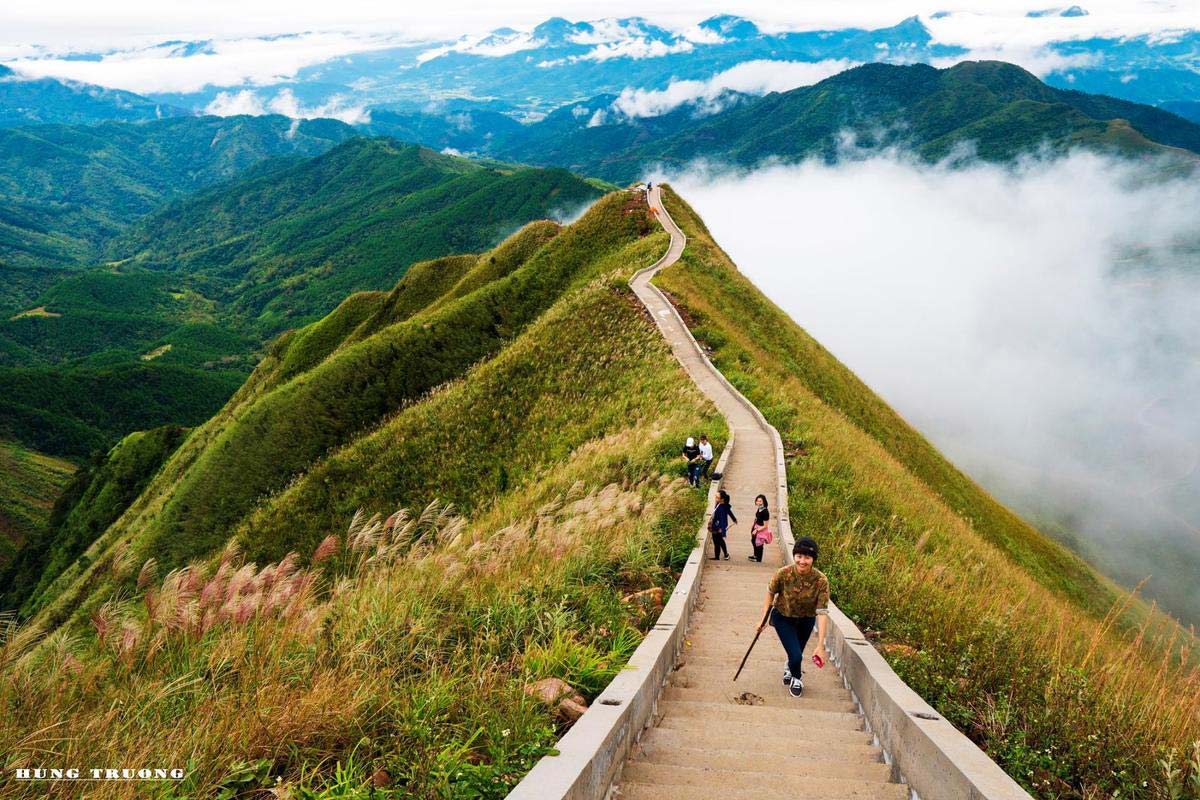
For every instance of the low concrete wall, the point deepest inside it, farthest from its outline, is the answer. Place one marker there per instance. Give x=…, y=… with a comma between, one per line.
x=592, y=753
x=925, y=751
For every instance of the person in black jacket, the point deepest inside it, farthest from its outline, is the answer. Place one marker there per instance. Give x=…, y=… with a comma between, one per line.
x=719, y=525
x=694, y=461
x=761, y=516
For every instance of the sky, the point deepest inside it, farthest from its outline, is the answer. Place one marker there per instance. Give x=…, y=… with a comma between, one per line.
x=1038, y=324
x=124, y=29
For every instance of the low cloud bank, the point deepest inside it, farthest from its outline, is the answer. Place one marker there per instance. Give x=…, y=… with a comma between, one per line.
x=1038, y=324
x=759, y=76
x=248, y=101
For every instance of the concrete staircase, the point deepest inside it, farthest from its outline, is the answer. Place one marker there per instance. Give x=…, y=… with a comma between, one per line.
x=714, y=739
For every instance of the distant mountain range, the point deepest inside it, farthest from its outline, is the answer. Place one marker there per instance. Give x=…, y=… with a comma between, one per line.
x=994, y=110
x=528, y=73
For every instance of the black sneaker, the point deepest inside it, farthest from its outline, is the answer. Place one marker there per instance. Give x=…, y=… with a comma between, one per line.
x=787, y=677
x=797, y=687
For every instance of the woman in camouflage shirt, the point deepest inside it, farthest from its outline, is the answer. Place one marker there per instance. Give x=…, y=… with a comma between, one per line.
x=798, y=599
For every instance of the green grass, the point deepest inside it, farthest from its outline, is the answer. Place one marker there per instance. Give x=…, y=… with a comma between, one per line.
x=1075, y=690
x=404, y=658
x=29, y=483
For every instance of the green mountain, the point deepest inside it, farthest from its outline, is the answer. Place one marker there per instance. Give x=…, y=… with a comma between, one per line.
x=994, y=109
x=167, y=331
x=65, y=190
x=286, y=245
x=26, y=100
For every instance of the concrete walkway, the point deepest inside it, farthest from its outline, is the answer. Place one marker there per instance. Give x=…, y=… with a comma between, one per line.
x=715, y=739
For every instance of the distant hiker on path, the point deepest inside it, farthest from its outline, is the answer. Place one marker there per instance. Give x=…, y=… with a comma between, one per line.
x=692, y=453
x=798, y=598
x=706, y=456
x=719, y=525
x=760, y=532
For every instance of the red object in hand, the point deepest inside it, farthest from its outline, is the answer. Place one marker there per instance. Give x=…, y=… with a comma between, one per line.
x=817, y=660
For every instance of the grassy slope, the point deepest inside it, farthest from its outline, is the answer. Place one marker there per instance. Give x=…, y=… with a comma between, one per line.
x=559, y=444
x=1007, y=633
x=29, y=482
x=89, y=503
x=280, y=424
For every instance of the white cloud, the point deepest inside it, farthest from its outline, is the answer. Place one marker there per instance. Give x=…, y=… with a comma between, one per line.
x=994, y=24
x=751, y=77
x=607, y=30
x=699, y=35
x=491, y=45
x=233, y=62
x=231, y=104
x=285, y=102
x=598, y=119
x=1037, y=323
x=635, y=48
x=1041, y=61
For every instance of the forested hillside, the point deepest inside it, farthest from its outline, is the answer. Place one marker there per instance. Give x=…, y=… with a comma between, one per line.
x=172, y=325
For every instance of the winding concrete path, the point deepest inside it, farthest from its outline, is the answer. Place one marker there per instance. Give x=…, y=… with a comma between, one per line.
x=708, y=743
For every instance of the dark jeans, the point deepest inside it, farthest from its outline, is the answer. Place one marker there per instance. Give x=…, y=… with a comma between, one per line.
x=793, y=635
x=757, y=548
x=719, y=544
x=705, y=467
x=694, y=472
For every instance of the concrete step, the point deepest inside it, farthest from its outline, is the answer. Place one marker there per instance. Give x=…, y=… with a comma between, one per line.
x=761, y=683
x=799, y=715
x=816, y=687
x=814, y=761
x=647, y=791
x=765, y=729
x=812, y=700
x=795, y=747
x=696, y=783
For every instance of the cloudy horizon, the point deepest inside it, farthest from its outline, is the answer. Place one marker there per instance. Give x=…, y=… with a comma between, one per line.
x=133, y=44
x=1037, y=323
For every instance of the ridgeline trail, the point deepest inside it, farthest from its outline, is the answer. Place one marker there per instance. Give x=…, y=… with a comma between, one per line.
x=715, y=739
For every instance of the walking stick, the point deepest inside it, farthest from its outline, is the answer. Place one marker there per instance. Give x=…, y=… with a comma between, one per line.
x=753, y=641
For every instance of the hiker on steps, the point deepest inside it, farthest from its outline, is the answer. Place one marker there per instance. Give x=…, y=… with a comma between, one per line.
x=798, y=598
x=760, y=531
x=718, y=525
x=692, y=453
